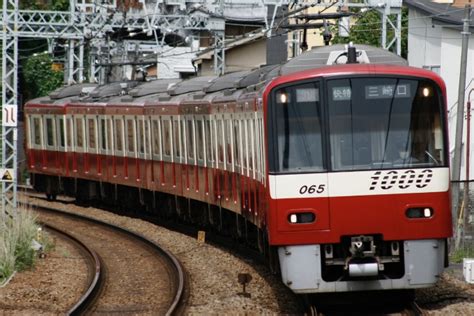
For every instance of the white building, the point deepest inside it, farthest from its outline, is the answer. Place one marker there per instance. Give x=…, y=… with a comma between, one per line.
x=434, y=42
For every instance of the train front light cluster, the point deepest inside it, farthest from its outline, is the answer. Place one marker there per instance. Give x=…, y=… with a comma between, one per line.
x=419, y=212
x=301, y=218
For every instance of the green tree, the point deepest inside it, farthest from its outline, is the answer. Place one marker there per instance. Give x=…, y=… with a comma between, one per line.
x=368, y=30
x=39, y=76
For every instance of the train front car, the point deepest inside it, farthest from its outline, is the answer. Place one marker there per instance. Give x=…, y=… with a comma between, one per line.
x=358, y=178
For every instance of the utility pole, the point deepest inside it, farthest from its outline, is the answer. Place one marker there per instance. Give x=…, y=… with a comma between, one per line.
x=456, y=172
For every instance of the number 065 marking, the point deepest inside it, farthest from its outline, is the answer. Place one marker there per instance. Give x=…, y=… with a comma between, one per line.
x=312, y=189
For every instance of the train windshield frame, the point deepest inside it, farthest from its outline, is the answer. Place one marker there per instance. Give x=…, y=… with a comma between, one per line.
x=356, y=123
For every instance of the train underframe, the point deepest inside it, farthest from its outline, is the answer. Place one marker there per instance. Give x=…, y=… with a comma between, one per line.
x=160, y=206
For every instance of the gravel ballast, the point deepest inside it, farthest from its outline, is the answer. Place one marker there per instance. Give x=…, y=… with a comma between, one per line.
x=47, y=289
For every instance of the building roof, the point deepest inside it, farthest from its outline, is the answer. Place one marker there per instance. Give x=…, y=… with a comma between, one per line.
x=441, y=13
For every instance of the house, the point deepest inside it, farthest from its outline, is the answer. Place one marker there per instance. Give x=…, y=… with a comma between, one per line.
x=434, y=43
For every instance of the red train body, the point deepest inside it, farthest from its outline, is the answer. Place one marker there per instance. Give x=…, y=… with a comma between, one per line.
x=339, y=174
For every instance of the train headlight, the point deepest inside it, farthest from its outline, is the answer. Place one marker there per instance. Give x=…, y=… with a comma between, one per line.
x=301, y=218
x=419, y=212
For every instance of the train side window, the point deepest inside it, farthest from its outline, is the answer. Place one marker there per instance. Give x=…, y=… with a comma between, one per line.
x=50, y=131
x=252, y=146
x=79, y=132
x=229, y=143
x=200, y=139
x=103, y=133
x=91, y=128
x=155, y=132
x=176, y=140
x=167, y=137
x=119, y=134
x=182, y=139
x=141, y=136
x=245, y=143
x=208, y=144
x=69, y=134
x=236, y=127
x=110, y=135
x=190, y=138
x=60, y=133
x=220, y=145
x=130, y=136
x=37, y=131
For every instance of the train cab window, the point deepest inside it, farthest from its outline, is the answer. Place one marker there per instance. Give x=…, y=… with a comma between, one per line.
x=50, y=131
x=385, y=123
x=79, y=133
x=295, y=140
x=37, y=131
x=91, y=129
x=60, y=132
x=130, y=136
x=119, y=134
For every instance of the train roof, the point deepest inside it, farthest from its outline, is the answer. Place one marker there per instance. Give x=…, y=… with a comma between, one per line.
x=153, y=87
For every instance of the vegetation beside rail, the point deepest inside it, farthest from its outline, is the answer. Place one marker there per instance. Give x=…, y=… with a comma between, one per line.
x=16, y=238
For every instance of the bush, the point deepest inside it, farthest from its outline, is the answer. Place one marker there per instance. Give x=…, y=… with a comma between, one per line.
x=16, y=236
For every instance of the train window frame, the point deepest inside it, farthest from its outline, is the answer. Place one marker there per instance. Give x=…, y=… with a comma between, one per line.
x=178, y=144
x=274, y=166
x=229, y=141
x=237, y=140
x=37, y=130
x=141, y=136
x=200, y=140
x=61, y=132
x=190, y=139
x=49, y=132
x=208, y=131
x=444, y=150
x=118, y=135
x=71, y=144
x=251, y=121
x=245, y=141
x=156, y=138
x=91, y=132
x=167, y=138
x=130, y=136
x=79, y=131
x=103, y=134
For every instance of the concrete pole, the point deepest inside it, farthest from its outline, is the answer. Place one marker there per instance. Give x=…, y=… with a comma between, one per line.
x=456, y=169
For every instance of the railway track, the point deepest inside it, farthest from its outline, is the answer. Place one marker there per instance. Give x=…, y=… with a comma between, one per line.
x=399, y=303
x=95, y=281
x=136, y=275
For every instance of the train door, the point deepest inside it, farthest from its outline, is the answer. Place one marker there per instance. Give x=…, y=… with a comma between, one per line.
x=61, y=143
x=131, y=156
x=177, y=155
x=118, y=170
x=50, y=154
x=91, y=155
x=70, y=146
x=36, y=159
x=80, y=143
x=143, y=145
x=298, y=178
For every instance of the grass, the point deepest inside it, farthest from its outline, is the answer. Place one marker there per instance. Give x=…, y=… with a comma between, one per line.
x=465, y=251
x=16, y=236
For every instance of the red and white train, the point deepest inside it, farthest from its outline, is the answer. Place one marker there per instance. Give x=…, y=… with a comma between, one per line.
x=339, y=173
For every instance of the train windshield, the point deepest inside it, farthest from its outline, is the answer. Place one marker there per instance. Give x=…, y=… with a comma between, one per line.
x=384, y=123
x=371, y=123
